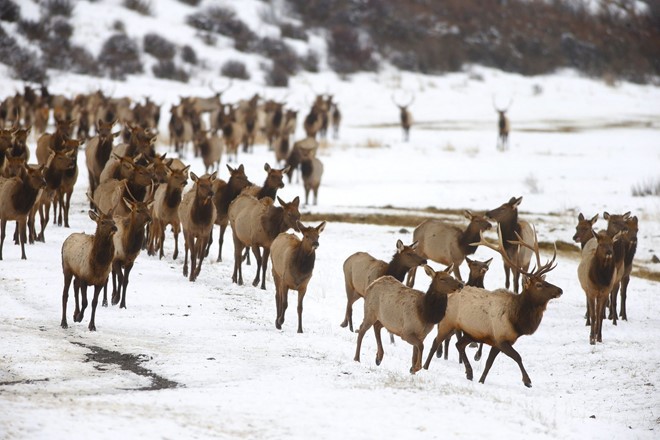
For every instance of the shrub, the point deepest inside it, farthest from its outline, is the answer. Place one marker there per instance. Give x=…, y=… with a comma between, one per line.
x=60, y=29
x=51, y=8
x=159, y=47
x=189, y=55
x=118, y=26
x=33, y=30
x=9, y=11
x=140, y=6
x=166, y=69
x=234, y=69
x=279, y=52
x=310, y=62
x=348, y=54
x=120, y=56
x=646, y=188
x=292, y=31
x=277, y=76
x=223, y=21
x=191, y=2
x=25, y=64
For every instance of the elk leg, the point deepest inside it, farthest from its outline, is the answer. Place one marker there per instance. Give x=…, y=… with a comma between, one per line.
x=477, y=355
x=443, y=332
x=624, y=292
x=127, y=270
x=379, y=342
x=175, y=231
x=3, y=227
x=612, y=308
x=237, y=276
x=83, y=298
x=95, y=301
x=591, y=308
x=23, y=237
x=366, y=325
x=508, y=350
x=185, y=258
x=494, y=351
x=117, y=281
x=105, y=294
x=76, y=291
x=351, y=297
x=65, y=298
x=258, y=259
x=66, y=210
x=601, y=311
x=462, y=342
x=220, y=240
x=201, y=246
x=264, y=266
x=301, y=296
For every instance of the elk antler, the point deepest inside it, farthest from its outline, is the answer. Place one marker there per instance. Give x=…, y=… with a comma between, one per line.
x=412, y=99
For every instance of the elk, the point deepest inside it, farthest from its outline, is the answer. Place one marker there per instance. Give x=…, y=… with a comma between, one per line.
x=506, y=217
x=165, y=211
x=54, y=141
x=503, y=126
x=210, y=148
x=406, y=312
x=335, y=120
x=274, y=181
x=254, y=224
x=312, y=171
x=361, y=269
x=128, y=244
x=197, y=215
x=317, y=119
x=584, y=231
x=97, y=152
x=292, y=260
x=17, y=196
x=223, y=194
x=109, y=194
x=499, y=318
x=62, y=203
x=597, y=274
x=405, y=117
x=87, y=259
x=232, y=132
x=630, y=227
x=447, y=244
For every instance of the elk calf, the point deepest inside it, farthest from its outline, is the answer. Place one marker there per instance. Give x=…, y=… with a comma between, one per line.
x=405, y=312
x=293, y=260
x=87, y=260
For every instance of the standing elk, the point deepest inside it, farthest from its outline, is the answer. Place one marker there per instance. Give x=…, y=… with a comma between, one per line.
x=361, y=269
x=87, y=259
x=447, y=244
x=506, y=217
x=293, y=260
x=405, y=116
x=584, y=231
x=17, y=197
x=165, y=211
x=255, y=223
x=406, y=312
x=197, y=215
x=503, y=126
x=597, y=274
x=627, y=247
x=311, y=169
x=499, y=318
x=97, y=152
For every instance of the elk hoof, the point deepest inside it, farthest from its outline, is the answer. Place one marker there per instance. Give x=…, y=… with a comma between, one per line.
x=92, y=327
x=255, y=283
x=115, y=299
x=278, y=325
x=343, y=324
x=104, y=303
x=63, y=324
x=477, y=356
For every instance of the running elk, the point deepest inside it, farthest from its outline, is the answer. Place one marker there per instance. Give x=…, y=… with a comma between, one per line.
x=510, y=227
x=361, y=269
x=406, y=312
x=447, y=244
x=293, y=260
x=87, y=259
x=499, y=318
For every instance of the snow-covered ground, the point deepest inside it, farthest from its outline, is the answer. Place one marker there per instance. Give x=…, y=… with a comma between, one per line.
x=579, y=146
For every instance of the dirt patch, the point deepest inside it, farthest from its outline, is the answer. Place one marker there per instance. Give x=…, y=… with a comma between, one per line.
x=129, y=362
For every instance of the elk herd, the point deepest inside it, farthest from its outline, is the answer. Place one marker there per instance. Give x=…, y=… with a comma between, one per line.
x=135, y=193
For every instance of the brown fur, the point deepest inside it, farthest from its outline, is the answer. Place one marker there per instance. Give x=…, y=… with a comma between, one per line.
x=405, y=312
x=165, y=211
x=293, y=262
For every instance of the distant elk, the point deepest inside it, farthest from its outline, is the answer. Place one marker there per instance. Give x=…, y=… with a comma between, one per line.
x=503, y=126
x=405, y=116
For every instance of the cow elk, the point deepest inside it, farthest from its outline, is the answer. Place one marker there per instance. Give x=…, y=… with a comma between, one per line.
x=499, y=318
x=405, y=116
x=165, y=211
x=361, y=269
x=87, y=260
x=447, y=244
x=406, y=312
x=503, y=127
x=506, y=217
x=630, y=226
x=293, y=260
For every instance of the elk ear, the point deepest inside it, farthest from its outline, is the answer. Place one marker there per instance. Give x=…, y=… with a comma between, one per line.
x=194, y=177
x=320, y=227
x=626, y=216
x=185, y=170
x=286, y=169
x=282, y=202
x=213, y=176
x=231, y=170
x=467, y=214
x=526, y=281
x=429, y=270
x=300, y=226
x=580, y=217
x=449, y=268
x=606, y=215
x=296, y=201
x=399, y=245
x=468, y=260
x=414, y=245
x=517, y=202
x=487, y=262
x=267, y=167
x=593, y=219
x=93, y=215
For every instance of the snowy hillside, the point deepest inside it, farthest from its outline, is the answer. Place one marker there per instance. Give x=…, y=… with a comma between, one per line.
x=204, y=360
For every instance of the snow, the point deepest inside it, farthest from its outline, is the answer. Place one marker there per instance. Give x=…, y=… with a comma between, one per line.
x=579, y=146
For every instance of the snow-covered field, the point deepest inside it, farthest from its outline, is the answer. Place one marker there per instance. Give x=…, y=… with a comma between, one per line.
x=204, y=360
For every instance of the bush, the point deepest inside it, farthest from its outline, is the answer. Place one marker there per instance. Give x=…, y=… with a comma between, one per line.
x=191, y=2
x=9, y=11
x=33, y=30
x=189, y=55
x=277, y=76
x=310, y=62
x=25, y=64
x=140, y=6
x=223, y=21
x=118, y=26
x=166, y=69
x=159, y=47
x=292, y=31
x=60, y=29
x=51, y=8
x=279, y=52
x=119, y=57
x=235, y=69
x=348, y=54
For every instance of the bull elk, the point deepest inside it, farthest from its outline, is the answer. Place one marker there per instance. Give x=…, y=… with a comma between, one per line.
x=503, y=126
